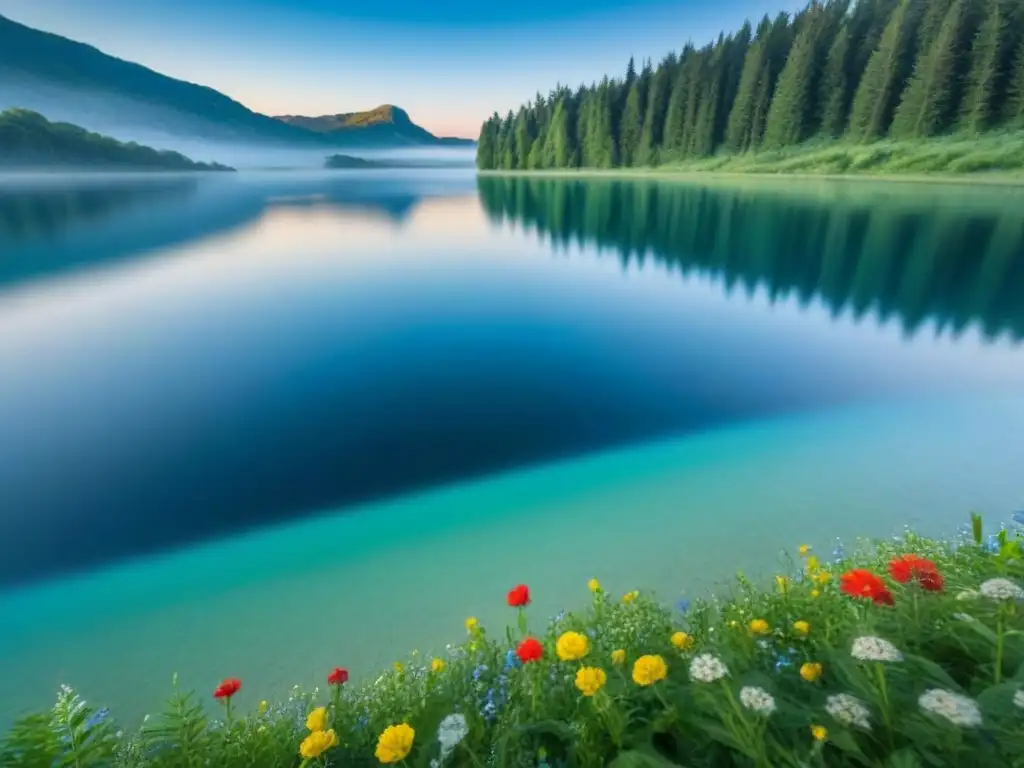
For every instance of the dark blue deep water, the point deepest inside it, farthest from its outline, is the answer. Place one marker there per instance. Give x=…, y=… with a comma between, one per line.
x=184, y=358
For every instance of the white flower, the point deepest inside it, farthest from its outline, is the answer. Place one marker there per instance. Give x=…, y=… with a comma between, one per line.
x=968, y=594
x=757, y=699
x=707, y=668
x=1018, y=698
x=452, y=730
x=875, y=649
x=848, y=710
x=959, y=710
x=1002, y=589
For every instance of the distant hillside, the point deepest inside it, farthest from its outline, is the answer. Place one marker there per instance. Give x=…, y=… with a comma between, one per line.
x=74, y=82
x=67, y=80
x=29, y=139
x=385, y=124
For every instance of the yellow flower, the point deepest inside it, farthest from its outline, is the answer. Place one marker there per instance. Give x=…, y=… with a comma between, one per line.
x=572, y=646
x=804, y=550
x=815, y=593
x=395, y=743
x=819, y=732
x=682, y=641
x=317, y=719
x=649, y=669
x=399, y=667
x=629, y=597
x=590, y=680
x=594, y=585
x=759, y=627
x=822, y=576
x=733, y=623
x=317, y=743
x=810, y=671
x=472, y=624
x=801, y=628
x=618, y=656
x=812, y=564
x=264, y=707
x=437, y=665
x=783, y=582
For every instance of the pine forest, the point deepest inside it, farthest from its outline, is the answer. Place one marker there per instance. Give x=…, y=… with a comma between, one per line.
x=836, y=72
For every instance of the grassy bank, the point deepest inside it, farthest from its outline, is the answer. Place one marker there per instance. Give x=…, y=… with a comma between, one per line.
x=993, y=158
x=907, y=652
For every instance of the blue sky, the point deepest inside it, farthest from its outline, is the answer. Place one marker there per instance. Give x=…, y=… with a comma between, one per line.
x=450, y=64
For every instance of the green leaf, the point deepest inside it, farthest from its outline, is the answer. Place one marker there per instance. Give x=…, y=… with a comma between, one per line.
x=904, y=758
x=643, y=757
x=933, y=671
x=997, y=700
x=976, y=527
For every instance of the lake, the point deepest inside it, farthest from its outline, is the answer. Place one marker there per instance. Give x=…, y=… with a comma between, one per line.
x=262, y=424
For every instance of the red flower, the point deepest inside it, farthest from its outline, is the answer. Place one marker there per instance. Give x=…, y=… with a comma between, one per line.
x=519, y=597
x=228, y=688
x=530, y=650
x=863, y=583
x=338, y=676
x=911, y=567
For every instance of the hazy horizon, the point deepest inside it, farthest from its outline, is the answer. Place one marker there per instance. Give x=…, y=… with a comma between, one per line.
x=312, y=57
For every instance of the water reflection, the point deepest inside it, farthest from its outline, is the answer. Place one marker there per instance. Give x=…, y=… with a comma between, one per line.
x=345, y=340
x=952, y=255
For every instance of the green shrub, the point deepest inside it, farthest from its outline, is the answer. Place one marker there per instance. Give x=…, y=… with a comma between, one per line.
x=907, y=652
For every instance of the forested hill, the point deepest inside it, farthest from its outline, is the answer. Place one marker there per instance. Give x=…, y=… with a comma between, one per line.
x=860, y=71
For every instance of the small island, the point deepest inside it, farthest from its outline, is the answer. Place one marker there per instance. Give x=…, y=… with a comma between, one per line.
x=348, y=161
x=29, y=140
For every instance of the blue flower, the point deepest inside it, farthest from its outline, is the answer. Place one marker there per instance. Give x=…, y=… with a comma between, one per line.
x=511, y=660
x=1018, y=517
x=479, y=671
x=96, y=718
x=993, y=543
x=682, y=605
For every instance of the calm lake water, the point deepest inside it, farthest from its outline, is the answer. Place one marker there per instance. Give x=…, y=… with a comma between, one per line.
x=264, y=424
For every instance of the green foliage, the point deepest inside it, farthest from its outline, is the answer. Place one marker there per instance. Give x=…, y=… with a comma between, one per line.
x=984, y=80
x=835, y=90
x=927, y=105
x=1015, y=103
x=859, y=70
x=937, y=679
x=28, y=138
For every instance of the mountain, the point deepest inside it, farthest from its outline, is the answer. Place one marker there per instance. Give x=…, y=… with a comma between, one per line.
x=387, y=124
x=29, y=139
x=73, y=82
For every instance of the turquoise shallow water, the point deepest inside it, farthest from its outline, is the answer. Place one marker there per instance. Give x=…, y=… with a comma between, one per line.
x=283, y=605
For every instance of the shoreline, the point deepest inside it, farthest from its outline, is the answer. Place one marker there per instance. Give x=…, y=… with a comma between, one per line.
x=976, y=179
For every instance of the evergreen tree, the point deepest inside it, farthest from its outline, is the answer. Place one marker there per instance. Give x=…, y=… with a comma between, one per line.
x=906, y=67
x=702, y=142
x=675, y=117
x=486, y=148
x=654, y=120
x=789, y=116
x=1015, y=102
x=737, y=132
x=506, y=147
x=631, y=125
x=880, y=87
x=929, y=98
x=835, y=91
x=978, y=111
